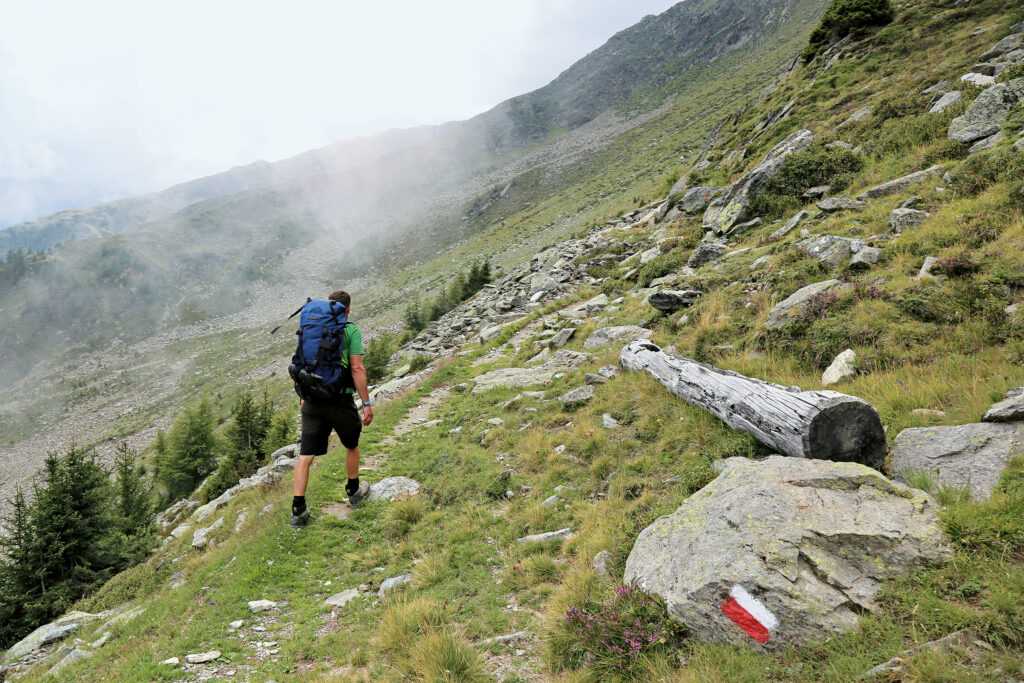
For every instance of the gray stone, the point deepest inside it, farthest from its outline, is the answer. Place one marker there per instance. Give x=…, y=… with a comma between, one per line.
x=986, y=144
x=900, y=184
x=1007, y=44
x=619, y=334
x=76, y=655
x=1010, y=409
x=391, y=488
x=941, y=86
x=901, y=219
x=343, y=598
x=926, y=268
x=839, y=144
x=671, y=300
x=505, y=640
x=963, y=456
x=792, y=305
x=262, y=605
x=58, y=633
x=817, y=192
x=559, y=361
x=866, y=258
x=101, y=641
x=696, y=199
x=180, y=530
x=841, y=368
x=394, y=582
x=705, y=253
x=829, y=249
x=805, y=543
x=928, y=413
x=561, y=338
x=833, y=204
x=760, y=261
x=988, y=112
x=856, y=116
x=981, y=80
x=946, y=101
x=790, y=225
x=577, y=395
x=741, y=228
x=549, y=501
x=173, y=661
x=609, y=422
x=733, y=207
x=203, y=657
x=601, y=562
x=200, y=538
x=649, y=255
x=594, y=380
x=559, y=535
x=49, y=633
x=608, y=371
x=495, y=422
x=587, y=308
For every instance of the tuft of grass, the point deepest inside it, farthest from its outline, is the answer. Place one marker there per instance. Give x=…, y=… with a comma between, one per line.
x=402, y=515
x=440, y=657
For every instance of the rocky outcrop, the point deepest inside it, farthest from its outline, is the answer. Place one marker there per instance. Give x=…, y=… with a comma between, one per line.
x=834, y=204
x=559, y=361
x=697, y=199
x=706, y=252
x=900, y=184
x=619, y=334
x=902, y=219
x=733, y=207
x=988, y=112
x=786, y=310
x=802, y=546
x=970, y=456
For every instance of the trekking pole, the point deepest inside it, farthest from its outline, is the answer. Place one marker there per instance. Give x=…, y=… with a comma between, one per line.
x=291, y=316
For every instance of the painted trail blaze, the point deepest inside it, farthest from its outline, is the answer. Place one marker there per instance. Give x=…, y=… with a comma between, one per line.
x=749, y=614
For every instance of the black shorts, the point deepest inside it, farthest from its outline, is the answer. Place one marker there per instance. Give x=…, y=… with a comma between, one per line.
x=318, y=419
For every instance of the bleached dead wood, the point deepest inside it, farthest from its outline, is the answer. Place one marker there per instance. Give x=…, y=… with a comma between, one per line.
x=826, y=425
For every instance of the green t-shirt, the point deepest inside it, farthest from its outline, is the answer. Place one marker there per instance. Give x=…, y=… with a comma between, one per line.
x=353, y=346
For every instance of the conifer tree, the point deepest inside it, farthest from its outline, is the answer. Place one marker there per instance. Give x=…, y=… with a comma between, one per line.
x=134, y=505
x=16, y=576
x=191, y=446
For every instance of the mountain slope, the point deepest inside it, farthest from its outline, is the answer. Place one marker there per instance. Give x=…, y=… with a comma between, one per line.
x=496, y=466
x=390, y=231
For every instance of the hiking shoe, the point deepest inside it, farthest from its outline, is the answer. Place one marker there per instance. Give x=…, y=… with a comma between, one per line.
x=299, y=520
x=362, y=492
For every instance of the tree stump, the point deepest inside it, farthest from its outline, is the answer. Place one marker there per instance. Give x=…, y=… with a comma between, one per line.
x=826, y=425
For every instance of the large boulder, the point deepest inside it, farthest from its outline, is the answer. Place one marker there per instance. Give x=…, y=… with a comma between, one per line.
x=988, y=112
x=46, y=634
x=733, y=207
x=971, y=456
x=705, y=253
x=901, y=219
x=784, y=311
x=619, y=334
x=785, y=551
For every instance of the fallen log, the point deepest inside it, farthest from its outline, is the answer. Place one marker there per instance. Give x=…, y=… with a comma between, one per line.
x=825, y=425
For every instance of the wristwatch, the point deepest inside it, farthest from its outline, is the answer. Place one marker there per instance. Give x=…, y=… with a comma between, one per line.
x=367, y=403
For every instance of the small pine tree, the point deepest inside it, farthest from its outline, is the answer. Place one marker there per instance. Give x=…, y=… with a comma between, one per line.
x=845, y=17
x=281, y=431
x=133, y=499
x=190, y=447
x=17, y=580
x=377, y=355
x=247, y=436
x=485, y=272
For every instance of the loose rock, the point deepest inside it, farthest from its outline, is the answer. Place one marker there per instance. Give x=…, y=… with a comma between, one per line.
x=203, y=657
x=669, y=300
x=1010, y=409
x=392, y=488
x=900, y=184
x=262, y=605
x=901, y=219
x=559, y=535
x=783, y=312
x=394, y=582
x=620, y=334
x=971, y=456
x=578, y=395
x=842, y=367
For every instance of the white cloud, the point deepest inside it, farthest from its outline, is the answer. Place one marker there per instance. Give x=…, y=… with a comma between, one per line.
x=113, y=98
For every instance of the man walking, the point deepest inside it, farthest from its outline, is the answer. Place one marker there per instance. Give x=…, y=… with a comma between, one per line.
x=321, y=415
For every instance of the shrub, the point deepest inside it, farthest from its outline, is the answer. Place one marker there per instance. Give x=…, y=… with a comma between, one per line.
x=957, y=265
x=980, y=172
x=984, y=228
x=818, y=165
x=418, y=362
x=845, y=17
x=610, y=637
x=659, y=267
x=443, y=657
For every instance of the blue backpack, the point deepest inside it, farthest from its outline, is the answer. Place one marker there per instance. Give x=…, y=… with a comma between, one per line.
x=319, y=369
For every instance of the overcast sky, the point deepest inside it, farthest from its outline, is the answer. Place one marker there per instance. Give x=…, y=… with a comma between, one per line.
x=101, y=100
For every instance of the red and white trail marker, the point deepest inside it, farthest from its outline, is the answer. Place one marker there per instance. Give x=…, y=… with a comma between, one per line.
x=749, y=614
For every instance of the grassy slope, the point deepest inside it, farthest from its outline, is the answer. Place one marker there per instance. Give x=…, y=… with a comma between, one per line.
x=460, y=547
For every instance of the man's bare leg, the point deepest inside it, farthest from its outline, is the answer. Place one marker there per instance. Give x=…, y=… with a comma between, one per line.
x=302, y=473
x=352, y=462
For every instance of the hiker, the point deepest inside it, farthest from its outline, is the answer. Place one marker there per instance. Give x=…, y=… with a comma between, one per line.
x=328, y=372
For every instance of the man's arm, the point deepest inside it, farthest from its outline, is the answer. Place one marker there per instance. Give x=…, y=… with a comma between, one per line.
x=359, y=379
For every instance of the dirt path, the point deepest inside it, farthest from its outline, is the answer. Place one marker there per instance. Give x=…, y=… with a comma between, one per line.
x=417, y=415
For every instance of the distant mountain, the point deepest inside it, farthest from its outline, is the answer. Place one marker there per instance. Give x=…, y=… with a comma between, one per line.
x=129, y=214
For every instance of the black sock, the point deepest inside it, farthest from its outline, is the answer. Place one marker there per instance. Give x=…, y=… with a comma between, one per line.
x=352, y=486
x=298, y=504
